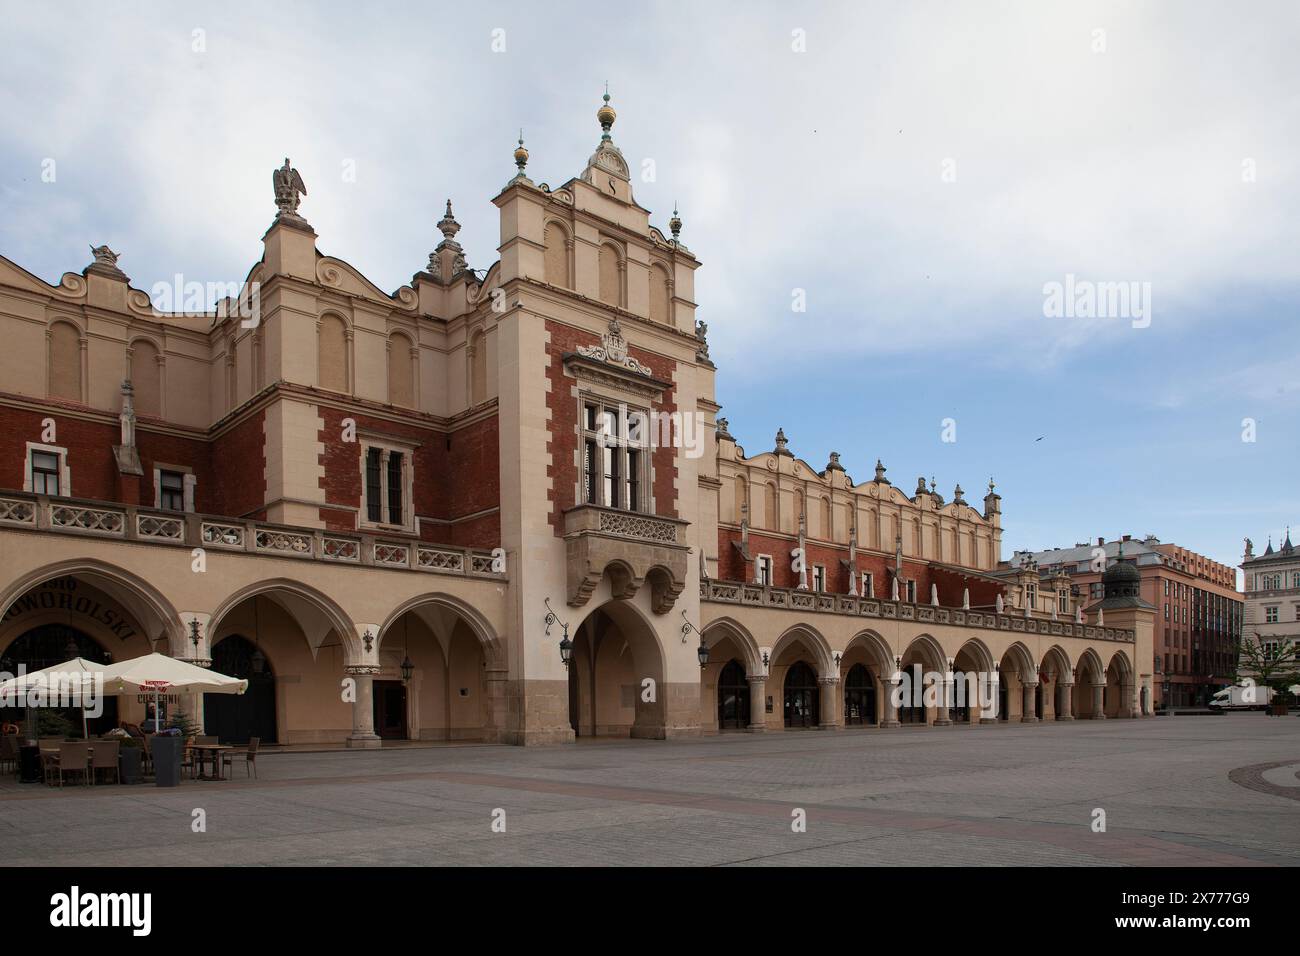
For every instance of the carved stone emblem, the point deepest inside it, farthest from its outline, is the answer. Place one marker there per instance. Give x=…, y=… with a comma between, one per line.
x=613, y=350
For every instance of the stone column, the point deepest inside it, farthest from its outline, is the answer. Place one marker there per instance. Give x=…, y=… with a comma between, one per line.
x=1065, y=711
x=757, y=704
x=888, y=713
x=363, y=708
x=941, y=718
x=1027, y=713
x=1128, y=704
x=829, y=706
x=1098, y=701
x=494, y=685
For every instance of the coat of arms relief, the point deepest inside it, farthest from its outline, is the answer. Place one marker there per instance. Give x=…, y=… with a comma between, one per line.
x=613, y=350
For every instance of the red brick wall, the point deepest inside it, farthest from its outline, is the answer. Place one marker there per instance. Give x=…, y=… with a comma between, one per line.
x=191, y=453
x=456, y=474
x=731, y=567
x=236, y=481
x=236, y=488
x=89, y=445
x=562, y=443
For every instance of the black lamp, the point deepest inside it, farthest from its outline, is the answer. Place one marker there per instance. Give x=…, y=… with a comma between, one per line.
x=702, y=652
x=566, y=645
x=406, y=666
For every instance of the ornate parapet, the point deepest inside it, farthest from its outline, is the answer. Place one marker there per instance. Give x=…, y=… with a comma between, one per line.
x=633, y=548
x=735, y=592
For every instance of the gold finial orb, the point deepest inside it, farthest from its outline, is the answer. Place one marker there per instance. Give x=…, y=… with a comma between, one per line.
x=606, y=115
x=521, y=153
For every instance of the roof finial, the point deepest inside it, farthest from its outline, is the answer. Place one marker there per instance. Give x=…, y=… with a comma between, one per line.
x=675, y=223
x=448, y=225
x=606, y=116
x=521, y=154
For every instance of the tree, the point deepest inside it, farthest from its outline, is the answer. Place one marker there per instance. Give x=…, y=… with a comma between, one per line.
x=1269, y=661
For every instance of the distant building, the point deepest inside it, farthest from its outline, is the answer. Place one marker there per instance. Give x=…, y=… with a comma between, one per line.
x=1272, y=584
x=1199, y=612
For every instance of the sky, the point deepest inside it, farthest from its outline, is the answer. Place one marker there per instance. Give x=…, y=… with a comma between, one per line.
x=882, y=195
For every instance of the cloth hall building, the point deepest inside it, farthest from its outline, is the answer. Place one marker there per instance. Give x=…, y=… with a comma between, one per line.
x=492, y=505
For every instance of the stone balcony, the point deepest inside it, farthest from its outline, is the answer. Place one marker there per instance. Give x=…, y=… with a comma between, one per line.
x=97, y=519
x=633, y=547
x=822, y=602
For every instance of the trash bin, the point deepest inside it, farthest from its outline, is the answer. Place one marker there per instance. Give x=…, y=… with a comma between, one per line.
x=29, y=764
x=166, y=752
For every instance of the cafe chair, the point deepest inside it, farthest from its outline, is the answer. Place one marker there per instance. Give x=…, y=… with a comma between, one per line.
x=104, y=757
x=249, y=756
x=74, y=758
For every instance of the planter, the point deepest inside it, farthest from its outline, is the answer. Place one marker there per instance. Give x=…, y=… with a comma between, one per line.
x=1279, y=709
x=128, y=764
x=166, y=753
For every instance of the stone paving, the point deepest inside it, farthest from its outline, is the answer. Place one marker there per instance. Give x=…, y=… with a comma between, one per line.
x=994, y=795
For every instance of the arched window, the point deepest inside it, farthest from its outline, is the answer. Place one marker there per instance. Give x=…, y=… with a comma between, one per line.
x=65, y=361
x=611, y=278
x=797, y=512
x=660, y=298
x=769, y=508
x=146, y=378
x=401, y=375
x=557, y=255
x=478, y=368
x=802, y=696
x=733, y=697
x=859, y=696
x=332, y=351
x=828, y=531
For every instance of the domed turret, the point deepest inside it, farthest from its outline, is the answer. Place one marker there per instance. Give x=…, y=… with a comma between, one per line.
x=1122, y=579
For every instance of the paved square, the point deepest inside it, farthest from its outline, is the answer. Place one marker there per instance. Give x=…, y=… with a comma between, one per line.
x=994, y=795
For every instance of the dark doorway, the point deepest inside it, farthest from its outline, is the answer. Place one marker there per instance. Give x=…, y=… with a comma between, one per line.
x=1004, y=709
x=1038, y=701
x=801, y=696
x=51, y=644
x=859, y=696
x=912, y=709
x=234, y=718
x=733, y=697
x=390, y=709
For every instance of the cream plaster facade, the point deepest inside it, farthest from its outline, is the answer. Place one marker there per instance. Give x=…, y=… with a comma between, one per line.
x=337, y=603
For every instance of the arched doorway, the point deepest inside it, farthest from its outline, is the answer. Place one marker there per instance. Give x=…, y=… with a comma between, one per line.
x=45, y=646
x=435, y=671
x=305, y=634
x=616, y=674
x=802, y=696
x=234, y=718
x=733, y=697
x=859, y=696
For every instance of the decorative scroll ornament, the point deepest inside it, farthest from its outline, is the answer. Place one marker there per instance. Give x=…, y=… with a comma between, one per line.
x=613, y=350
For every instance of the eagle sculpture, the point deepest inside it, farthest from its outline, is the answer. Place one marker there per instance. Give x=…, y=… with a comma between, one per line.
x=288, y=188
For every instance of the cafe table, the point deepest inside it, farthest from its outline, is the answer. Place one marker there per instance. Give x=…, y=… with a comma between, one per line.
x=214, y=751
